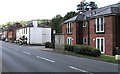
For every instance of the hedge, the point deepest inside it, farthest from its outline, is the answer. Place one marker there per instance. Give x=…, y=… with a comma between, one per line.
x=82, y=49
x=69, y=47
x=48, y=45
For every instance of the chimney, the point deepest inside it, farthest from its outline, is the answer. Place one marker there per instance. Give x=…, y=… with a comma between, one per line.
x=35, y=23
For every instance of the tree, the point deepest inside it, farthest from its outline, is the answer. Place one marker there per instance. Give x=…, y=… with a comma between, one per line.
x=85, y=6
x=24, y=22
x=69, y=15
x=82, y=7
x=45, y=21
x=55, y=23
x=2, y=27
x=92, y=5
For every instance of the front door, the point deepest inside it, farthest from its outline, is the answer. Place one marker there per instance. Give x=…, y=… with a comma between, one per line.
x=100, y=44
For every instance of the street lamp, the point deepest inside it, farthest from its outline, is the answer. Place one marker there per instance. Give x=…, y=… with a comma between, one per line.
x=53, y=40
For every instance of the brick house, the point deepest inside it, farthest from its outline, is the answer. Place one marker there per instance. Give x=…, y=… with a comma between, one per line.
x=98, y=28
x=11, y=31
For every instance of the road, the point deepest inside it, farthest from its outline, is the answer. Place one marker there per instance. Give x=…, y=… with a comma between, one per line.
x=16, y=58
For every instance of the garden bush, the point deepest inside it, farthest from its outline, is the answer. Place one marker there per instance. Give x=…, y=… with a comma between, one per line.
x=69, y=47
x=84, y=50
x=96, y=53
x=48, y=45
x=77, y=49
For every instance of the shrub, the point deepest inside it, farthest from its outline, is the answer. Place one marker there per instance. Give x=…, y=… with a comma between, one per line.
x=69, y=47
x=95, y=53
x=77, y=49
x=66, y=47
x=48, y=45
x=86, y=50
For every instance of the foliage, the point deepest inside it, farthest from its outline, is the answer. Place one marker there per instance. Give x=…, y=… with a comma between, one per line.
x=85, y=6
x=4, y=27
x=102, y=57
x=82, y=49
x=96, y=53
x=48, y=45
x=92, y=5
x=44, y=21
x=55, y=23
x=24, y=22
x=69, y=47
x=7, y=25
x=69, y=15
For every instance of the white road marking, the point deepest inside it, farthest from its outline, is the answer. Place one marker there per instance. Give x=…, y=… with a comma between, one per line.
x=27, y=53
x=81, y=70
x=45, y=59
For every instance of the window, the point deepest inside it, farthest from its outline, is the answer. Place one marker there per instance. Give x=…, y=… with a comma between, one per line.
x=69, y=40
x=69, y=28
x=85, y=40
x=99, y=25
x=94, y=12
x=85, y=24
x=22, y=30
x=91, y=13
x=26, y=30
x=100, y=41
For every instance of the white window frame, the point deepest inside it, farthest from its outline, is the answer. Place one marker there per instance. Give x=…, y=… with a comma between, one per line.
x=100, y=44
x=85, y=24
x=100, y=25
x=69, y=40
x=84, y=40
x=69, y=28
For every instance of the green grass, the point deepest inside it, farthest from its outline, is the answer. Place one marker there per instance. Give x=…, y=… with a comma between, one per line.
x=102, y=57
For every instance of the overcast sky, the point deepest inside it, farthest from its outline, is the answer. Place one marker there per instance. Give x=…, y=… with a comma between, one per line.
x=18, y=10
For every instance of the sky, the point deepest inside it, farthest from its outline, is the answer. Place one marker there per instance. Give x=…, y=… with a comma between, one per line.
x=25, y=10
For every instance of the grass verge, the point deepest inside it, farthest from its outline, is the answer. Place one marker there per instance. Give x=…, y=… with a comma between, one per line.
x=102, y=57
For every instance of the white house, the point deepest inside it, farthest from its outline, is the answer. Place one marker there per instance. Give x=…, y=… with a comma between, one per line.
x=35, y=33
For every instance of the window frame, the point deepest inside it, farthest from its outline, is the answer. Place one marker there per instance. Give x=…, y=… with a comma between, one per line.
x=85, y=24
x=26, y=30
x=84, y=40
x=100, y=26
x=69, y=28
x=100, y=38
x=69, y=39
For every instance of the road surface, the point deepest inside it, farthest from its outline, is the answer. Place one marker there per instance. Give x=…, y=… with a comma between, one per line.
x=16, y=58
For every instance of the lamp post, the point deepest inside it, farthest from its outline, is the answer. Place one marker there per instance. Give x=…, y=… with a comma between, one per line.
x=54, y=32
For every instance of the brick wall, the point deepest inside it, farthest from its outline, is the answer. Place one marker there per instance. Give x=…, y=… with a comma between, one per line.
x=79, y=33
x=10, y=34
x=73, y=35
x=85, y=33
x=109, y=34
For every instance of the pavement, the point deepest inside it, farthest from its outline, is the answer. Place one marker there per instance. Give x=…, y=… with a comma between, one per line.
x=16, y=58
